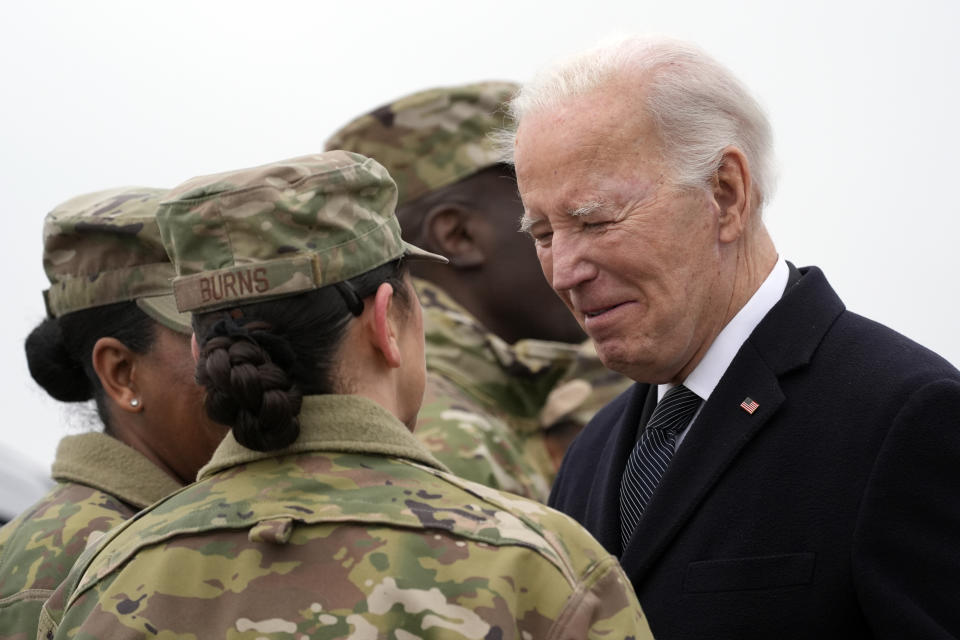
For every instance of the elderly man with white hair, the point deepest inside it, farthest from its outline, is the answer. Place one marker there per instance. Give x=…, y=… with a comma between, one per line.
x=783, y=468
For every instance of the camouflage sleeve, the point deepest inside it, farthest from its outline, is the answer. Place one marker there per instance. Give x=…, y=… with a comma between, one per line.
x=585, y=388
x=601, y=602
x=39, y=547
x=474, y=444
x=55, y=605
x=603, y=606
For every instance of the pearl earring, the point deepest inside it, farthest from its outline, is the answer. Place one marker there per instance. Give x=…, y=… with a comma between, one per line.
x=135, y=402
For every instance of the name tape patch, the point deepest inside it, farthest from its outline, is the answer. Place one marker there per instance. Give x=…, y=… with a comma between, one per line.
x=212, y=289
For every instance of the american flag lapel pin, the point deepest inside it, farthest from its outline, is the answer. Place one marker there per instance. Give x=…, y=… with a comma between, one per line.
x=749, y=405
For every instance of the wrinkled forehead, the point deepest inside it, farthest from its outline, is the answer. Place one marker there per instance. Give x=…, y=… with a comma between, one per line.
x=572, y=158
x=591, y=127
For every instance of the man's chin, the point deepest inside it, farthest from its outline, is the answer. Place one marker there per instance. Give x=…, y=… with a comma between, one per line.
x=612, y=355
x=616, y=357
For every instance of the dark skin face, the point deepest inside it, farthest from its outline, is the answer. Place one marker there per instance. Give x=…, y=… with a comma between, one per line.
x=494, y=272
x=168, y=425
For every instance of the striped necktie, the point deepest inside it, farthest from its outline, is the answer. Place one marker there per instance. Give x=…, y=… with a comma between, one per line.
x=651, y=455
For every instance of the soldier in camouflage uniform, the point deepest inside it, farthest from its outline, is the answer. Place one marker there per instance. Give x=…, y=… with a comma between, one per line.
x=110, y=300
x=320, y=515
x=510, y=380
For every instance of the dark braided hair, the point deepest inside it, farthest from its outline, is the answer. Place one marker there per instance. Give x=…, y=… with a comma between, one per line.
x=258, y=360
x=59, y=350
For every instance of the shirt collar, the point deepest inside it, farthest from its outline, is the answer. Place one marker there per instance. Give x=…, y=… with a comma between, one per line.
x=704, y=378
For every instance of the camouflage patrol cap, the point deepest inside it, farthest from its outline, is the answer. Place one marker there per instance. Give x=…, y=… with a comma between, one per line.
x=281, y=229
x=432, y=138
x=104, y=247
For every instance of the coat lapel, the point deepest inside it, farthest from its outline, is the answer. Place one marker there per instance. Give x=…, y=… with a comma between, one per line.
x=720, y=432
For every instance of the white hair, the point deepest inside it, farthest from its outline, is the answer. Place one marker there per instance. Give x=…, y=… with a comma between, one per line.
x=696, y=104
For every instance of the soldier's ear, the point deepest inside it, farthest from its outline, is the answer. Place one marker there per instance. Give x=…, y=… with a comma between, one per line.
x=116, y=366
x=452, y=230
x=383, y=328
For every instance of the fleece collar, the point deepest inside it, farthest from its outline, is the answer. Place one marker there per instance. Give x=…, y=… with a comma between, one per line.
x=103, y=462
x=339, y=423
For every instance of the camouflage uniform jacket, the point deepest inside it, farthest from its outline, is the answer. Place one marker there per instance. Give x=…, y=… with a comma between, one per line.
x=530, y=386
x=100, y=483
x=474, y=442
x=352, y=531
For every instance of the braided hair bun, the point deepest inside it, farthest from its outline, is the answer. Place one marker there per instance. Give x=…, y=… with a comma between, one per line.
x=244, y=369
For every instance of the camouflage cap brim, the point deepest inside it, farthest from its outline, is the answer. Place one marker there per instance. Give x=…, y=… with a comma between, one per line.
x=413, y=252
x=163, y=309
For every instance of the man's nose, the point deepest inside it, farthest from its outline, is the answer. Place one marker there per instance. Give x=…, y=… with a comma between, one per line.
x=569, y=261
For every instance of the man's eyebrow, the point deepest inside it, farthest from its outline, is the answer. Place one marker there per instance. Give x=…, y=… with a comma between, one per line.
x=586, y=209
x=526, y=223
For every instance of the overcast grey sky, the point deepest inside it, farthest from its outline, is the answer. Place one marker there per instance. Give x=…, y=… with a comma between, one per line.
x=863, y=97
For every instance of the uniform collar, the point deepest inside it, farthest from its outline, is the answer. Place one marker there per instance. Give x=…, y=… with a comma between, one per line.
x=341, y=423
x=102, y=462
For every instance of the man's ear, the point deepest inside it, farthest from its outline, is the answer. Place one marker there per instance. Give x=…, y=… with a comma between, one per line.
x=450, y=230
x=732, y=191
x=384, y=329
x=115, y=365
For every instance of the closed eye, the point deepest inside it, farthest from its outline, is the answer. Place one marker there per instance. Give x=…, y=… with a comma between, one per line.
x=596, y=224
x=542, y=238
